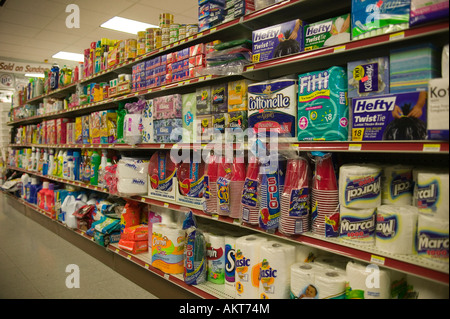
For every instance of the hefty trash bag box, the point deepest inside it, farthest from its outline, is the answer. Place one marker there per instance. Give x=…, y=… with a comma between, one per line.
x=278, y=40
x=401, y=116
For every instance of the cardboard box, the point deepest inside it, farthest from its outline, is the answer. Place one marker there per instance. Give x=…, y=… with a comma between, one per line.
x=438, y=109
x=328, y=32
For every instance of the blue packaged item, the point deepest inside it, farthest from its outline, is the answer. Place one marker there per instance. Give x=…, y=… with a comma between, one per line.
x=278, y=40
x=401, y=116
x=368, y=77
x=423, y=11
x=373, y=17
x=195, y=271
x=220, y=2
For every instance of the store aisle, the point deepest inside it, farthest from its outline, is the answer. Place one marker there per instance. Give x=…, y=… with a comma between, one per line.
x=33, y=263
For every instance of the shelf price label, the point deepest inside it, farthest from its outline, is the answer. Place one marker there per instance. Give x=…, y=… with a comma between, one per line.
x=396, y=36
x=354, y=147
x=431, y=147
x=377, y=259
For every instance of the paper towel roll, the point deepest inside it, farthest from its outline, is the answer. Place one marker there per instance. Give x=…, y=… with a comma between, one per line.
x=397, y=185
x=168, y=248
x=367, y=281
x=360, y=186
x=132, y=186
x=247, y=266
x=357, y=226
x=396, y=228
x=303, y=280
x=331, y=283
x=276, y=260
x=432, y=194
x=230, y=264
x=420, y=288
x=433, y=238
x=215, y=257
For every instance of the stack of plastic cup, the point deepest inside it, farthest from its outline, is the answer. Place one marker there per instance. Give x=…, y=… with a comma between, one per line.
x=324, y=196
x=236, y=186
x=250, y=200
x=211, y=171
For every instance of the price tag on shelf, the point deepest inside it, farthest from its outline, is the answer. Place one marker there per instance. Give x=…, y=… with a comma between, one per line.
x=431, y=147
x=339, y=49
x=377, y=260
x=215, y=216
x=212, y=30
x=162, y=146
x=354, y=147
x=166, y=276
x=117, y=250
x=147, y=266
x=397, y=35
x=166, y=205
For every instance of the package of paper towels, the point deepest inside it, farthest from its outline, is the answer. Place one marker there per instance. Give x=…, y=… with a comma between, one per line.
x=357, y=226
x=433, y=238
x=248, y=262
x=367, y=281
x=396, y=229
x=276, y=260
x=215, y=257
x=168, y=248
x=397, y=185
x=360, y=186
x=132, y=176
x=432, y=193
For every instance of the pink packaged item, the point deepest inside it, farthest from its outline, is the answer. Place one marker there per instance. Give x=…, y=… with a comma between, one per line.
x=61, y=130
x=249, y=198
x=210, y=181
x=167, y=107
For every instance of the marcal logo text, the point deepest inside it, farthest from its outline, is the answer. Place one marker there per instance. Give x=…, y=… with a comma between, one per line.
x=368, y=189
x=428, y=192
x=425, y=242
x=259, y=103
x=350, y=226
x=386, y=226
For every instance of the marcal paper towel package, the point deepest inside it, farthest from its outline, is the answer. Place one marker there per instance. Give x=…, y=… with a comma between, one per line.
x=401, y=116
x=431, y=193
x=275, y=41
x=433, y=238
x=368, y=77
x=397, y=185
x=327, y=32
x=323, y=105
x=357, y=226
x=272, y=107
x=438, y=109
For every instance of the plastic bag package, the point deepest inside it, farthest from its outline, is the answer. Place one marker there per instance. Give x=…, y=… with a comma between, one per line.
x=228, y=58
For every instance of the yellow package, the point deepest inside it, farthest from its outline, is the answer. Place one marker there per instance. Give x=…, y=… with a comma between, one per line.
x=111, y=125
x=79, y=130
x=238, y=95
x=94, y=127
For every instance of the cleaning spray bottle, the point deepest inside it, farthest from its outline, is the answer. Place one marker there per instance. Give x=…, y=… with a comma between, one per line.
x=102, y=169
x=41, y=195
x=34, y=189
x=95, y=164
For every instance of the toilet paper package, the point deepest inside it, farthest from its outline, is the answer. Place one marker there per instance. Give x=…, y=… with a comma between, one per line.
x=147, y=123
x=272, y=107
x=401, y=116
x=328, y=32
x=372, y=17
x=423, y=11
x=396, y=229
x=397, y=185
x=331, y=283
x=368, y=77
x=431, y=193
x=438, y=109
x=433, y=238
x=323, y=105
x=303, y=280
x=248, y=263
x=357, y=226
x=230, y=264
x=276, y=260
x=132, y=129
x=132, y=176
x=168, y=248
x=359, y=186
x=364, y=284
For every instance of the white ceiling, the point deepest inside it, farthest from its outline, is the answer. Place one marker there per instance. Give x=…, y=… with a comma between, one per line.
x=34, y=30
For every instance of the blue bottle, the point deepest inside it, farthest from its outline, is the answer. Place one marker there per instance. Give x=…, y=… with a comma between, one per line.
x=54, y=78
x=35, y=187
x=77, y=164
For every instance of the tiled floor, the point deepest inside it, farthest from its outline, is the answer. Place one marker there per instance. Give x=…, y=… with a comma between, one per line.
x=33, y=263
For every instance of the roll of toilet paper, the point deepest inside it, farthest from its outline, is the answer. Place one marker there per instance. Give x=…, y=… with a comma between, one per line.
x=397, y=185
x=419, y=288
x=431, y=193
x=132, y=186
x=357, y=226
x=367, y=281
x=305, y=253
x=230, y=265
x=331, y=283
x=360, y=186
x=433, y=238
x=215, y=257
x=276, y=260
x=168, y=248
x=303, y=280
x=248, y=265
x=396, y=229
x=132, y=168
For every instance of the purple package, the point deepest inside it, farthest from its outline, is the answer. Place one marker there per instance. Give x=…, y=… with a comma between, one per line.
x=273, y=42
x=401, y=116
x=423, y=11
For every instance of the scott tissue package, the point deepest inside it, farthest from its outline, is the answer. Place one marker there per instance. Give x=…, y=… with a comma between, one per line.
x=373, y=17
x=272, y=107
x=323, y=105
x=401, y=116
x=278, y=40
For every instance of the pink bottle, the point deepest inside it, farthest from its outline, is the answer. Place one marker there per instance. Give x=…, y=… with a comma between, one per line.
x=41, y=196
x=50, y=198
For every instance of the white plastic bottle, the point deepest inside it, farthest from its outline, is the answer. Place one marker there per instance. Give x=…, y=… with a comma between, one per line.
x=70, y=167
x=45, y=163
x=101, y=169
x=25, y=178
x=32, y=159
x=51, y=162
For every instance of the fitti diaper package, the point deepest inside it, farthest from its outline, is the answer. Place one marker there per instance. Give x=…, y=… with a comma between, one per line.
x=401, y=116
x=323, y=105
x=272, y=107
x=278, y=40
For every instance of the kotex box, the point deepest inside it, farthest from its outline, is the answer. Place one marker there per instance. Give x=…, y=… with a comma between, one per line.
x=328, y=32
x=275, y=41
x=401, y=116
x=323, y=105
x=272, y=107
x=438, y=109
x=368, y=77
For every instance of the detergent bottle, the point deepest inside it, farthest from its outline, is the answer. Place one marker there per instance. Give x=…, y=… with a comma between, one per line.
x=41, y=195
x=25, y=178
x=35, y=187
x=95, y=164
x=50, y=198
x=51, y=162
x=76, y=165
x=54, y=77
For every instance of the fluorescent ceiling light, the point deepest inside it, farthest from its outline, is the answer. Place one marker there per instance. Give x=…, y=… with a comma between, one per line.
x=126, y=25
x=69, y=56
x=35, y=75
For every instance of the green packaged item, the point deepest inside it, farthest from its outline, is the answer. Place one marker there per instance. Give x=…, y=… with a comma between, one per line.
x=121, y=112
x=327, y=32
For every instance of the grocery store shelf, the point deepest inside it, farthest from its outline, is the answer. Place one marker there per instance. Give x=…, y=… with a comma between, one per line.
x=412, y=264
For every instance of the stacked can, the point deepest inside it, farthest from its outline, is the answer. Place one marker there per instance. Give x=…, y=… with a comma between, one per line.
x=130, y=49
x=173, y=33
x=140, y=44
x=191, y=29
x=182, y=31
x=165, y=20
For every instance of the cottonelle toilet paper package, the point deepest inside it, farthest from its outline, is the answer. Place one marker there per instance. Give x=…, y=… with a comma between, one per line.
x=396, y=229
x=323, y=105
x=276, y=260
